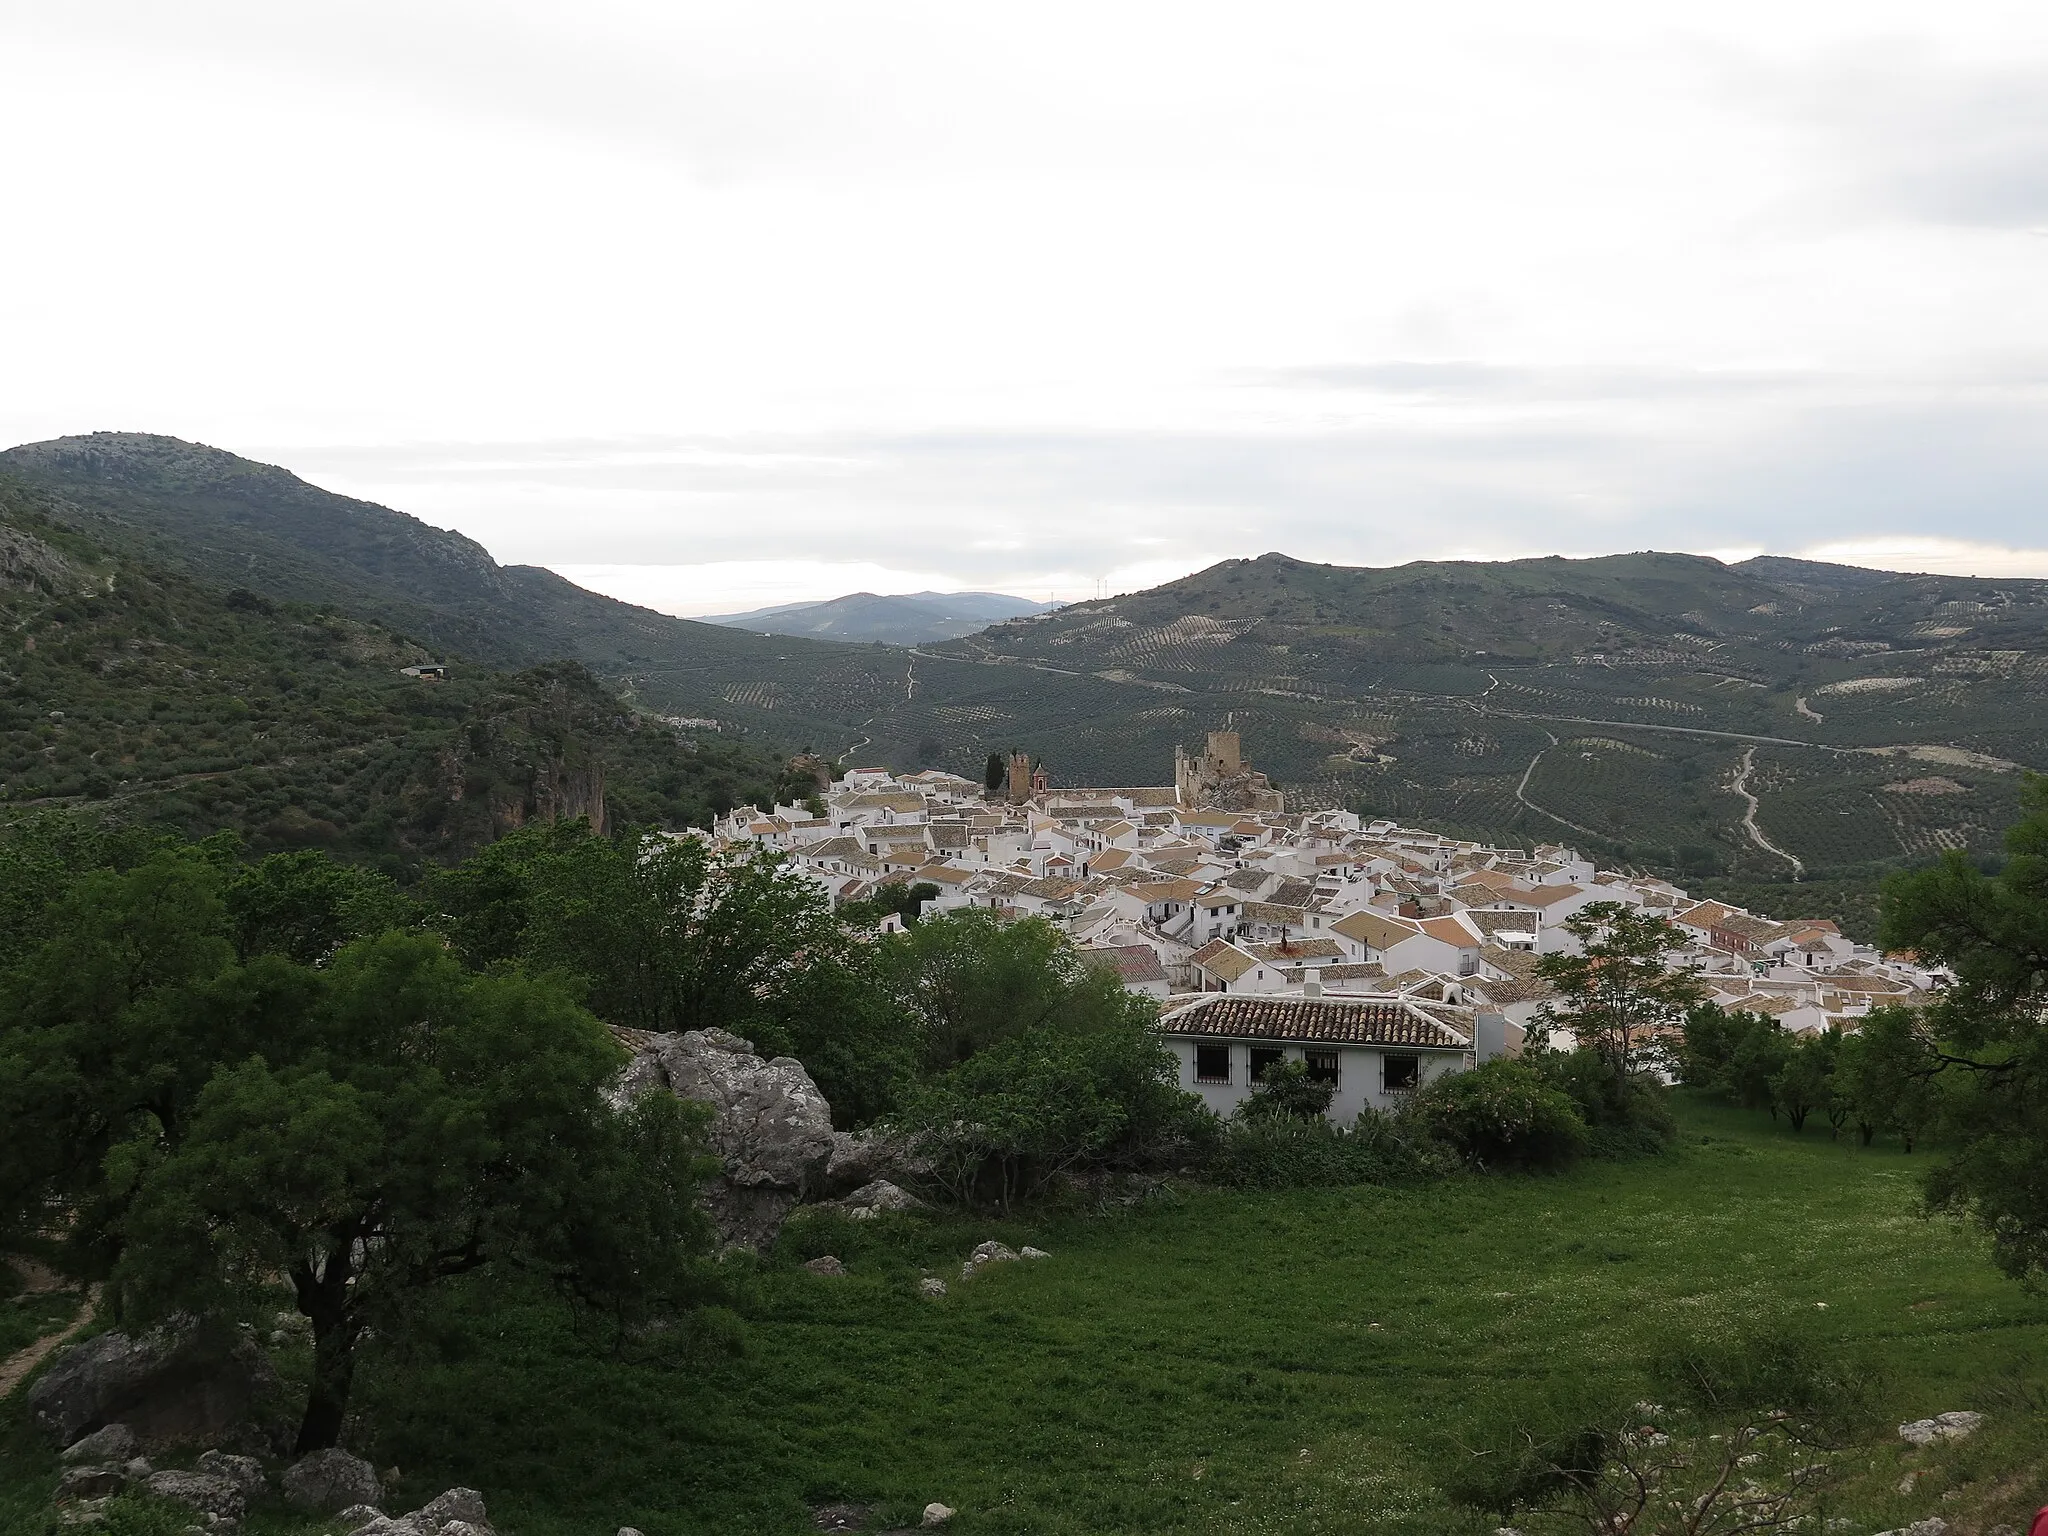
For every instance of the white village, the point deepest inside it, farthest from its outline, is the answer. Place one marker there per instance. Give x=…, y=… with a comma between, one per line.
x=1378, y=955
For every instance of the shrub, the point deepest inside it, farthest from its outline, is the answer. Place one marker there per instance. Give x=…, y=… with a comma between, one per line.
x=1625, y=1117
x=1055, y=1100
x=1503, y=1115
x=1282, y=1152
x=1286, y=1091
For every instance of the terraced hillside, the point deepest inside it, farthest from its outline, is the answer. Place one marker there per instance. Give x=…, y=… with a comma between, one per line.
x=1634, y=702
x=1755, y=722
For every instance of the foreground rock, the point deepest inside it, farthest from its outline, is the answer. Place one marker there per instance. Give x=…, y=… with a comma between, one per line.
x=829, y=1265
x=1959, y=1425
x=770, y=1125
x=876, y=1198
x=91, y=1482
x=985, y=1254
x=213, y=1496
x=458, y=1512
x=331, y=1480
x=165, y=1389
x=245, y=1472
x=116, y=1442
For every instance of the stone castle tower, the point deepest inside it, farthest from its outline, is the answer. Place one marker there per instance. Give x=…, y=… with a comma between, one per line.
x=1221, y=780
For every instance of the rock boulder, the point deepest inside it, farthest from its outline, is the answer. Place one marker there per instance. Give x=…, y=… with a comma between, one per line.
x=770, y=1125
x=1958, y=1425
x=167, y=1388
x=210, y=1495
x=116, y=1442
x=245, y=1472
x=331, y=1480
x=985, y=1254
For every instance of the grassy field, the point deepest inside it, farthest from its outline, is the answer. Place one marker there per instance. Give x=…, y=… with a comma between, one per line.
x=1301, y=1362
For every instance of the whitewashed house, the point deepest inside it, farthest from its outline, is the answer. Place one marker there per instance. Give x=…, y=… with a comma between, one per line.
x=1374, y=1051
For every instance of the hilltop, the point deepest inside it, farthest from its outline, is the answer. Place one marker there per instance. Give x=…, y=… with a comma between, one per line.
x=910, y=618
x=1754, y=722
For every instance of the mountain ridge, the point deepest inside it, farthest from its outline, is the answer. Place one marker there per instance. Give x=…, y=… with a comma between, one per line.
x=909, y=618
x=1878, y=716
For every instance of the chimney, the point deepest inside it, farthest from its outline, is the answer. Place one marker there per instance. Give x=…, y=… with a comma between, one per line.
x=1312, y=983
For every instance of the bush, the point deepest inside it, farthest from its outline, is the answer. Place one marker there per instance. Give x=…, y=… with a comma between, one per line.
x=1503, y=1115
x=1056, y=1100
x=1286, y=1091
x=1629, y=1117
x=1282, y=1152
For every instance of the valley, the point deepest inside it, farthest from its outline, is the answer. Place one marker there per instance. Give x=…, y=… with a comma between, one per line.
x=1614, y=699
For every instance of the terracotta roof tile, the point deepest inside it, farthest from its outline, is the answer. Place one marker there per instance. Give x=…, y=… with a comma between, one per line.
x=1346, y=1020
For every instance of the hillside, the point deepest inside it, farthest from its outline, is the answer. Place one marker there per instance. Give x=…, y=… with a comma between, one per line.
x=233, y=522
x=913, y=618
x=172, y=702
x=1753, y=722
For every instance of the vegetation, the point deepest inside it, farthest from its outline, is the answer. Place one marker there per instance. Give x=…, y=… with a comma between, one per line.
x=1615, y=994
x=1521, y=701
x=1168, y=1367
x=366, y=1128
x=1985, y=1048
x=154, y=700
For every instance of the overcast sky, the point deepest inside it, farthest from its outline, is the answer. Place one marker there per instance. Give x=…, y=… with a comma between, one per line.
x=715, y=306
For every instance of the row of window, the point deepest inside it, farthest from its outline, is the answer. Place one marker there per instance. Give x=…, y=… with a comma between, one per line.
x=1399, y=1070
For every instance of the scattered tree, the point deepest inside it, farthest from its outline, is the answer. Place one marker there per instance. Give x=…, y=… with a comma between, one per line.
x=1617, y=997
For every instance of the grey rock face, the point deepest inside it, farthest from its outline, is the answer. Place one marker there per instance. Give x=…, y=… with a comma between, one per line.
x=331, y=1480
x=770, y=1125
x=168, y=1389
x=245, y=1472
x=116, y=1442
x=209, y=1495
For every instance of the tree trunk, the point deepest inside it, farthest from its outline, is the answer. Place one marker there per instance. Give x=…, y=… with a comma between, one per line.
x=323, y=1296
x=334, y=1368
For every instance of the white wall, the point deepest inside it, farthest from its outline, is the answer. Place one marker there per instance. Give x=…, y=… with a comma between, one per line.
x=1358, y=1074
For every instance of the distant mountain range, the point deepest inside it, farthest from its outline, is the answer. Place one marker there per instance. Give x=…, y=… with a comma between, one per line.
x=908, y=618
x=1666, y=710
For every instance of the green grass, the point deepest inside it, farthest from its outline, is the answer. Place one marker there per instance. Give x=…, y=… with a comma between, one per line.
x=1209, y=1362
x=27, y=1317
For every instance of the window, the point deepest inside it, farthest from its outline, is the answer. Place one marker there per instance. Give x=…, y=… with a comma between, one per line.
x=1399, y=1073
x=1212, y=1063
x=1322, y=1066
x=1264, y=1056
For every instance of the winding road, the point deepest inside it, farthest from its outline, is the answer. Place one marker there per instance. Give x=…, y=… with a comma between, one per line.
x=1521, y=794
x=1740, y=784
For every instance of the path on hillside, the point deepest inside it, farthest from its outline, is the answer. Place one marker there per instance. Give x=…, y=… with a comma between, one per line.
x=1522, y=794
x=1740, y=784
x=910, y=679
x=15, y=1368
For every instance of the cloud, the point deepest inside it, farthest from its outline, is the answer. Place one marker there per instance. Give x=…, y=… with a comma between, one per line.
x=1026, y=512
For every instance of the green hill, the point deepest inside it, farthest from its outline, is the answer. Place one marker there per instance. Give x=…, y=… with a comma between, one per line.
x=1630, y=704
x=174, y=702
